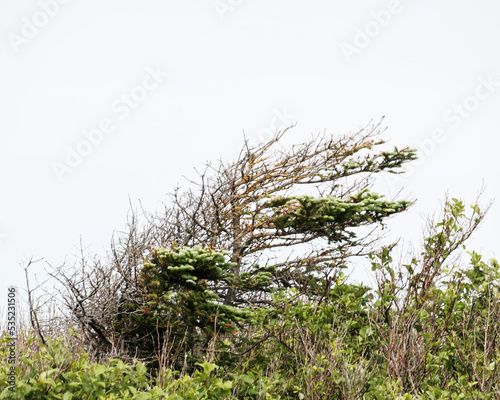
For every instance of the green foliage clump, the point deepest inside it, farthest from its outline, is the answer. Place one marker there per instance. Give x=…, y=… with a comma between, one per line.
x=54, y=371
x=178, y=304
x=329, y=217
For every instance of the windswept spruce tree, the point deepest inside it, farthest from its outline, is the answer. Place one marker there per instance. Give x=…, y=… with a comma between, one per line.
x=313, y=194
x=274, y=218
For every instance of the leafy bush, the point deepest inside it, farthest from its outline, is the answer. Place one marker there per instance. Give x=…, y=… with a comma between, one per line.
x=54, y=371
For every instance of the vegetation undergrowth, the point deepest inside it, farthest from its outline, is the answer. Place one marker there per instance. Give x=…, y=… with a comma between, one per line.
x=431, y=340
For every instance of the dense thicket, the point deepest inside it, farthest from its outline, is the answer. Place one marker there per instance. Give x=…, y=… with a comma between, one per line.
x=282, y=217
x=430, y=330
x=237, y=290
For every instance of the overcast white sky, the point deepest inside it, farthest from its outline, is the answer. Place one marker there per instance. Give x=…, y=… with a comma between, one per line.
x=173, y=84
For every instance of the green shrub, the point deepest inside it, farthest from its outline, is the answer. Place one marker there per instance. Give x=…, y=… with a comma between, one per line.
x=54, y=371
